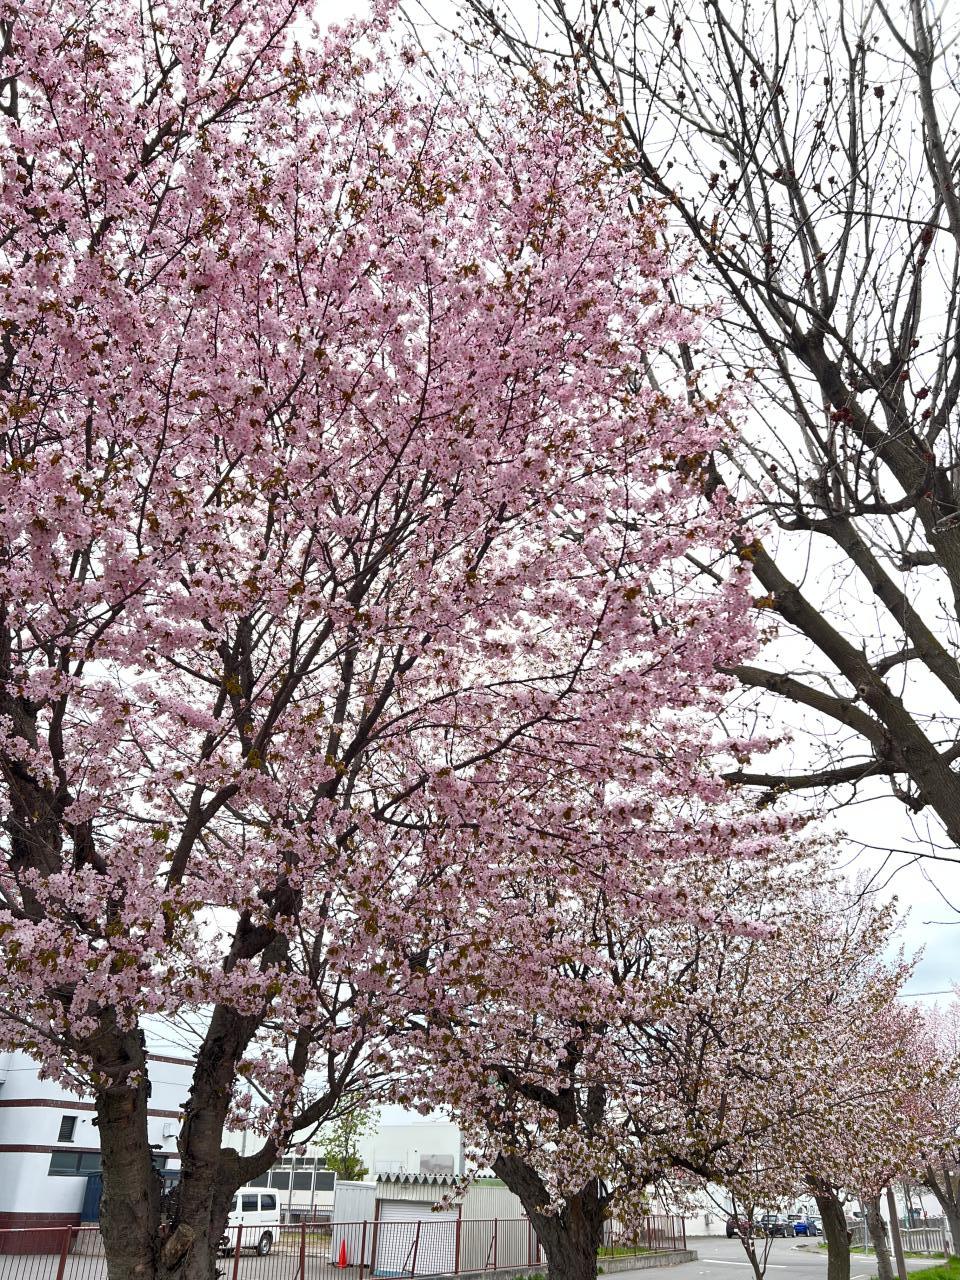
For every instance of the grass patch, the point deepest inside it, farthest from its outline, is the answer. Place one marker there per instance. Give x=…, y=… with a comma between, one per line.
x=621, y=1251
x=947, y=1270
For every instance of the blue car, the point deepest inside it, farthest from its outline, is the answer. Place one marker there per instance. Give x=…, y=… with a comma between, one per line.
x=806, y=1227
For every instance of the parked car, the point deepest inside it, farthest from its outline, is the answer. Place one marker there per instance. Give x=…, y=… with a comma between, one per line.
x=743, y=1228
x=806, y=1227
x=257, y=1214
x=776, y=1226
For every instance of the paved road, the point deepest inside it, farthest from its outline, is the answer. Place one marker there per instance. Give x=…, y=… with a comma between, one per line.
x=722, y=1259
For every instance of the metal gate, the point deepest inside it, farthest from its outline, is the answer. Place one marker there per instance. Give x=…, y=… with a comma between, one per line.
x=411, y=1240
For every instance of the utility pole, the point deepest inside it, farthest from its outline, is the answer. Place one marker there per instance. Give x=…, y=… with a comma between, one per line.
x=895, y=1233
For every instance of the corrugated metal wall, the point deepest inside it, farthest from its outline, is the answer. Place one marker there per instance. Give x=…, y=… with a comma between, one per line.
x=353, y=1203
x=491, y=1202
x=430, y=1192
x=493, y=1227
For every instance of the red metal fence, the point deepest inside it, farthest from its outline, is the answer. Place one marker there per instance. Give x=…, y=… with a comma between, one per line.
x=656, y=1233
x=441, y=1246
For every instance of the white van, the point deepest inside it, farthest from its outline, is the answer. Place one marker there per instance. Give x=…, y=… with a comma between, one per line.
x=258, y=1213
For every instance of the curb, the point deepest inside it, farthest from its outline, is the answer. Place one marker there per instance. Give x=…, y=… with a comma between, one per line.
x=643, y=1261
x=606, y=1267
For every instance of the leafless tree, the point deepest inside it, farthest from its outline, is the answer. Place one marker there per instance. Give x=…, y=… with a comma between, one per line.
x=809, y=153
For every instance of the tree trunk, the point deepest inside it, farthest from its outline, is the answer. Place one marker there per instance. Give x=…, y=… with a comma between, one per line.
x=137, y=1246
x=953, y=1226
x=834, y=1229
x=878, y=1235
x=130, y=1207
x=570, y=1239
x=946, y=1187
x=758, y=1261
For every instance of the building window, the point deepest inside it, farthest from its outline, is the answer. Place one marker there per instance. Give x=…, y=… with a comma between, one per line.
x=73, y=1164
x=68, y=1125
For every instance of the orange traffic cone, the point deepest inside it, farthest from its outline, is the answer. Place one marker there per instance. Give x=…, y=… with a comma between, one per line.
x=342, y=1256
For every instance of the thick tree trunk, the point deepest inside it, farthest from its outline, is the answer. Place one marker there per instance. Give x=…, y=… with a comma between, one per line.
x=945, y=1185
x=130, y=1207
x=878, y=1236
x=834, y=1229
x=570, y=1239
x=952, y=1216
x=211, y=1174
x=136, y=1244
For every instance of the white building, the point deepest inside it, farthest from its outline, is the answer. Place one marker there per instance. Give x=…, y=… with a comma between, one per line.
x=49, y=1145
x=424, y=1146
x=50, y=1148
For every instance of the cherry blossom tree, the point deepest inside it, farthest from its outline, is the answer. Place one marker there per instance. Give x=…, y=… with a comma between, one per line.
x=839, y=1114
x=748, y=1042
x=663, y=1042
x=937, y=1049
x=338, y=538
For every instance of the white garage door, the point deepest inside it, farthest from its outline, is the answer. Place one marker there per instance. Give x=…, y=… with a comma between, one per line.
x=414, y=1241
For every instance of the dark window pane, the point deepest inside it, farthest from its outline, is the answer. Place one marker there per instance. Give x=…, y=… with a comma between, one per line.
x=302, y=1180
x=326, y=1179
x=268, y=1203
x=280, y=1179
x=68, y=1125
x=73, y=1164
x=262, y=1181
x=63, y=1164
x=248, y=1204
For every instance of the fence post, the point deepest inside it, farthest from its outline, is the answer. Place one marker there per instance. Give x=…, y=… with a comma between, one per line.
x=363, y=1247
x=416, y=1249
x=64, y=1251
x=303, y=1250
x=236, y=1253
x=456, y=1246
